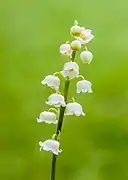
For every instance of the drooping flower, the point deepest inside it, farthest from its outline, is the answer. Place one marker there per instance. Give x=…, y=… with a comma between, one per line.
x=70, y=70
x=50, y=145
x=56, y=100
x=86, y=35
x=86, y=57
x=84, y=86
x=76, y=45
x=74, y=109
x=52, y=81
x=65, y=49
x=47, y=117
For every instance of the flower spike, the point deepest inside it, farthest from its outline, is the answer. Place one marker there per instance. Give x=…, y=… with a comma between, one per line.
x=61, y=105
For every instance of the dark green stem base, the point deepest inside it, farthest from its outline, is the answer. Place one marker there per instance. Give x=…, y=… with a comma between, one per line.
x=53, y=167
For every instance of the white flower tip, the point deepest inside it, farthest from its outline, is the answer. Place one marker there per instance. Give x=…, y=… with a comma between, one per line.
x=38, y=120
x=83, y=114
x=47, y=102
x=55, y=122
x=60, y=150
x=90, y=91
x=78, y=91
x=43, y=82
x=92, y=36
x=64, y=104
x=40, y=143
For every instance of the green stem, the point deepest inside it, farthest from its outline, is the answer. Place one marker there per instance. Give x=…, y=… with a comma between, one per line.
x=60, y=122
x=62, y=109
x=73, y=55
x=53, y=167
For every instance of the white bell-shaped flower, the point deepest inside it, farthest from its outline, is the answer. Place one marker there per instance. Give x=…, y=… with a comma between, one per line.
x=65, y=49
x=50, y=145
x=74, y=109
x=84, y=86
x=56, y=100
x=86, y=57
x=52, y=81
x=70, y=70
x=86, y=35
x=47, y=117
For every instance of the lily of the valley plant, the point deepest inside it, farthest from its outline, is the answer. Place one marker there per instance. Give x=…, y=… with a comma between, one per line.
x=58, y=102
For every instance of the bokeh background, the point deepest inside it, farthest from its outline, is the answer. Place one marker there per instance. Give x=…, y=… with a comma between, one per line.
x=95, y=147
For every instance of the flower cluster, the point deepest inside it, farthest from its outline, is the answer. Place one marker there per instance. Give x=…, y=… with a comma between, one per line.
x=82, y=37
x=57, y=100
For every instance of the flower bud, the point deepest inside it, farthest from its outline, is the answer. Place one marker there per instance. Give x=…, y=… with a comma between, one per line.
x=75, y=30
x=75, y=45
x=86, y=57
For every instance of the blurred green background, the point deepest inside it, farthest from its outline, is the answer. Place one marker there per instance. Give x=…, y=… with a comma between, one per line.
x=95, y=147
